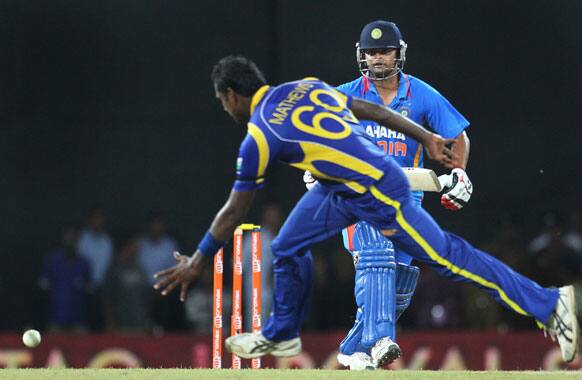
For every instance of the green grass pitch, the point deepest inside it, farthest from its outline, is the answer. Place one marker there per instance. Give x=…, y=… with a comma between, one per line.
x=271, y=374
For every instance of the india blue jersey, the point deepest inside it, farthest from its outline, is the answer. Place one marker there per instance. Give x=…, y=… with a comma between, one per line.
x=308, y=124
x=419, y=102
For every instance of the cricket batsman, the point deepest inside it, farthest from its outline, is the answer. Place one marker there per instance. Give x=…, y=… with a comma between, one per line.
x=380, y=55
x=312, y=126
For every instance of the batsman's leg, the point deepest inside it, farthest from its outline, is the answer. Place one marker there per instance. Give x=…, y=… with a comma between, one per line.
x=351, y=343
x=352, y=353
x=376, y=261
x=406, y=280
x=375, y=297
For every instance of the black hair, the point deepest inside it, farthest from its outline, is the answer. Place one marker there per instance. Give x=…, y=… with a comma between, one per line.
x=238, y=73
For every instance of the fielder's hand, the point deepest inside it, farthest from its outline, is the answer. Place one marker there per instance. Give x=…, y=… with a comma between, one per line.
x=181, y=274
x=309, y=180
x=439, y=149
x=457, y=189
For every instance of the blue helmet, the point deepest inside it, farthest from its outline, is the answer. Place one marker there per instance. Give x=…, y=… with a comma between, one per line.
x=380, y=35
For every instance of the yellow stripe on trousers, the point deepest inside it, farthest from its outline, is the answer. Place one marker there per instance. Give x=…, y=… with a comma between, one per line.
x=435, y=256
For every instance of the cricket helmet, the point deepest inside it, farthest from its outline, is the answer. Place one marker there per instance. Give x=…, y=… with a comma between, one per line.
x=380, y=35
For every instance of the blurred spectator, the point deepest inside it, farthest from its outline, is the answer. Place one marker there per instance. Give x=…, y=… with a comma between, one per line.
x=552, y=225
x=66, y=277
x=573, y=235
x=553, y=262
x=319, y=315
x=95, y=246
x=127, y=292
x=333, y=305
x=481, y=311
x=437, y=302
x=155, y=253
x=341, y=292
x=156, y=248
x=198, y=304
x=271, y=221
x=508, y=243
x=573, y=240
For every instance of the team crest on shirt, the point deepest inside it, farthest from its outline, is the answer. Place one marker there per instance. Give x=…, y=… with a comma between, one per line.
x=404, y=111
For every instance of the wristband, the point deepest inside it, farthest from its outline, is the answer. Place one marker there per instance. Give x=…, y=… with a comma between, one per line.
x=209, y=245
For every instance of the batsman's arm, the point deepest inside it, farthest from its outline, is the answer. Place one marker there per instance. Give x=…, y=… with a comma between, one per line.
x=460, y=152
x=433, y=143
x=457, y=187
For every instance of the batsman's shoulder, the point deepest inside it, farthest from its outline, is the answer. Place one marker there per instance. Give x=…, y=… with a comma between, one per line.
x=350, y=88
x=422, y=88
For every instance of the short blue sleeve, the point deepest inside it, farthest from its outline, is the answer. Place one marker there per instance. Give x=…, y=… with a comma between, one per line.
x=353, y=88
x=251, y=164
x=343, y=88
x=442, y=117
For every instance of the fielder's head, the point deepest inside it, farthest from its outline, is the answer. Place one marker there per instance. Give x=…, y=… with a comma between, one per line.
x=381, y=51
x=235, y=80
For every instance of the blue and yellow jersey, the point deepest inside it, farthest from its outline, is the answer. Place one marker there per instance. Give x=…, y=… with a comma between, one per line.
x=419, y=102
x=308, y=124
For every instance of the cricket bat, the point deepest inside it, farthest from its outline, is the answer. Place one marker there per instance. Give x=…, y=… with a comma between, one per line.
x=422, y=179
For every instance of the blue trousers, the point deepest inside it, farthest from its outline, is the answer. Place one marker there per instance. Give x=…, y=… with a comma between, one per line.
x=352, y=244
x=388, y=206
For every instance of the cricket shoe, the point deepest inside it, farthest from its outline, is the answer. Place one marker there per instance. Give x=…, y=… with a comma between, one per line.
x=358, y=361
x=385, y=351
x=563, y=325
x=254, y=345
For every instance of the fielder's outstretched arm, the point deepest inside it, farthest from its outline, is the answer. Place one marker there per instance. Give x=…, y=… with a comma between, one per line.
x=435, y=145
x=231, y=214
x=188, y=268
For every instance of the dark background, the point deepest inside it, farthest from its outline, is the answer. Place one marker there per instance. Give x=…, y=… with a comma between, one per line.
x=109, y=103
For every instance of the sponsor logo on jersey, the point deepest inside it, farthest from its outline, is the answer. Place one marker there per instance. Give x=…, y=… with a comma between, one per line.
x=379, y=131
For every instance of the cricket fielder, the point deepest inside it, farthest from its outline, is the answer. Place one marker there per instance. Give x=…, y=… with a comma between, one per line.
x=312, y=126
x=381, y=54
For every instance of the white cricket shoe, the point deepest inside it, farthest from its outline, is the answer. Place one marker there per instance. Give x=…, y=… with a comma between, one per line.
x=385, y=351
x=358, y=361
x=563, y=324
x=254, y=345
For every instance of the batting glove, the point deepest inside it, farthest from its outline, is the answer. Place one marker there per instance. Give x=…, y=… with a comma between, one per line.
x=457, y=189
x=309, y=180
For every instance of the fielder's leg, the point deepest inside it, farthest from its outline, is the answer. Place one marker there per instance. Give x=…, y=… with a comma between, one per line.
x=453, y=257
x=317, y=216
x=450, y=255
